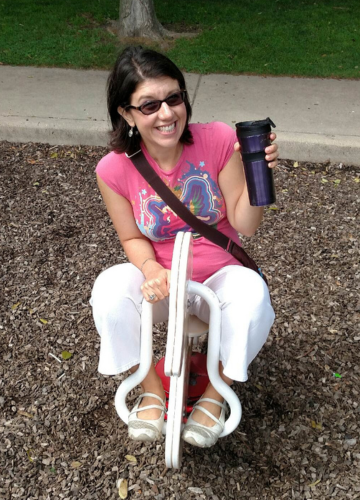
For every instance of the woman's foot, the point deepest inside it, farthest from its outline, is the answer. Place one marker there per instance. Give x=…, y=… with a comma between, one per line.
x=146, y=420
x=201, y=417
x=198, y=433
x=152, y=413
x=215, y=410
x=207, y=420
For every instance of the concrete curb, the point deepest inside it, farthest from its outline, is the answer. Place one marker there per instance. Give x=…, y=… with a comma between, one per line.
x=294, y=146
x=54, y=131
x=320, y=148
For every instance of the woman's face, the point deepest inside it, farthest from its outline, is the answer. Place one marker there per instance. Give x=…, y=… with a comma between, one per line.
x=163, y=128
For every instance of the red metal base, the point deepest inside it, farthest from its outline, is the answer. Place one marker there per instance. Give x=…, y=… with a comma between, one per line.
x=198, y=379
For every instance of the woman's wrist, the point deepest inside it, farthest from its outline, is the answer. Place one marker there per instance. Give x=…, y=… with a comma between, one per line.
x=149, y=265
x=145, y=261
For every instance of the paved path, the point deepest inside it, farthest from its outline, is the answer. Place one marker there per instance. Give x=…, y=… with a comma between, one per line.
x=317, y=119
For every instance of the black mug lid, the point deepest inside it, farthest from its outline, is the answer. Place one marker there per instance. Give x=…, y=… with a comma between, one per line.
x=247, y=129
x=251, y=157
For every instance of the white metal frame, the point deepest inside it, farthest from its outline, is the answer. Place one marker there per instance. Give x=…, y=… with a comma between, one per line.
x=178, y=352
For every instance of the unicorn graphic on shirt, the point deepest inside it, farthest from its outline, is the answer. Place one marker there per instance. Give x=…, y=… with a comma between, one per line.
x=196, y=190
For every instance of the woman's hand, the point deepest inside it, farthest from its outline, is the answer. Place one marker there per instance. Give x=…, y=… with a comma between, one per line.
x=157, y=285
x=271, y=151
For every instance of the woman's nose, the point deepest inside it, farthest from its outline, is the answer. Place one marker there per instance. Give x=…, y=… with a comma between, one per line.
x=165, y=111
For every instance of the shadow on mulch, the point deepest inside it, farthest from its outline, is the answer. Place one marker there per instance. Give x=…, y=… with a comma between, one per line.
x=60, y=434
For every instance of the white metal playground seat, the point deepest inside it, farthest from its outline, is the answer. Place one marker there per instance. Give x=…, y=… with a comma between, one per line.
x=182, y=330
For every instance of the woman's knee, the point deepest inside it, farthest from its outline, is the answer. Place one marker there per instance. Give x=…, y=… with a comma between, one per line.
x=244, y=286
x=116, y=284
x=253, y=285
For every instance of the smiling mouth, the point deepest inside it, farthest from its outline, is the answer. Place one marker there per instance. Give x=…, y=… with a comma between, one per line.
x=167, y=129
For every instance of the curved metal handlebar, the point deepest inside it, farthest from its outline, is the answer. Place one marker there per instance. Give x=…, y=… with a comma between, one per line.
x=213, y=353
x=212, y=359
x=145, y=362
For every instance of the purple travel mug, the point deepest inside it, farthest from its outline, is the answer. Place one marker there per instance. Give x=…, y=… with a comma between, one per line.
x=254, y=137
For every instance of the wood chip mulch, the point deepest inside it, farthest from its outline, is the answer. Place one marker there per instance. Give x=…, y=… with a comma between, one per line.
x=60, y=436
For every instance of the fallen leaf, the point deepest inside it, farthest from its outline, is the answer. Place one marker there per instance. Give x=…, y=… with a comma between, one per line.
x=15, y=306
x=25, y=414
x=356, y=179
x=273, y=208
x=258, y=386
x=337, y=181
x=123, y=488
x=29, y=455
x=314, y=425
x=53, y=155
x=66, y=355
x=324, y=181
x=76, y=465
x=36, y=184
x=314, y=484
x=131, y=458
x=43, y=321
x=296, y=164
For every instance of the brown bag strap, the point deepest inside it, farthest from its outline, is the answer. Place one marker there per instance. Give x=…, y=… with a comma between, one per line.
x=145, y=169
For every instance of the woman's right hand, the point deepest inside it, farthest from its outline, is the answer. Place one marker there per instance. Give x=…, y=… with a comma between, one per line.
x=157, y=285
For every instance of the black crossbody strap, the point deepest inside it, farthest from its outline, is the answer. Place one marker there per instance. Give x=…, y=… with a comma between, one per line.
x=209, y=232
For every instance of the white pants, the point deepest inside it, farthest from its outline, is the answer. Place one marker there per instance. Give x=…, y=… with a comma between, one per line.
x=246, y=316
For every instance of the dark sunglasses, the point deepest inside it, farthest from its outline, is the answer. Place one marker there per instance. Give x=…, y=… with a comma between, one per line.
x=150, y=107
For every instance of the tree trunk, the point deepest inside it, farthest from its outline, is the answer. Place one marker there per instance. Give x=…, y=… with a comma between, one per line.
x=138, y=19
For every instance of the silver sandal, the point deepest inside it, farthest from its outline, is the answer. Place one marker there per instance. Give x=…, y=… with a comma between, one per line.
x=200, y=435
x=146, y=430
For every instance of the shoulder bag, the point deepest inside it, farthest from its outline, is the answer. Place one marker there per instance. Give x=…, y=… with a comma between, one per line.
x=145, y=169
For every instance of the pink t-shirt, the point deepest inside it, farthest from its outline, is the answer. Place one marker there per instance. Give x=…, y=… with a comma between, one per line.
x=194, y=179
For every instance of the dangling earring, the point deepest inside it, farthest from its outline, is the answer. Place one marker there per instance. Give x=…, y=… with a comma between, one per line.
x=131, y=133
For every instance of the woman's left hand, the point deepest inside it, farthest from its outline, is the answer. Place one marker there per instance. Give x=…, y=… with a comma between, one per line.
x=271, y=151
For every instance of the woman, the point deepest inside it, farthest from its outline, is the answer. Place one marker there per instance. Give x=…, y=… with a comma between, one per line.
x=149, y=109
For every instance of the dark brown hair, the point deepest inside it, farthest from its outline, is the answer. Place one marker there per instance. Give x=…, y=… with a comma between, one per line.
x=133, y=66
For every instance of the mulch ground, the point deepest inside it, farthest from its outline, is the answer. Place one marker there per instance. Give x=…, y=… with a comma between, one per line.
x=60, y=436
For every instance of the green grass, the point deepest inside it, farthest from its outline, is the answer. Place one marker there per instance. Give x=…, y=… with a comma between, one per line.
x=59, y=33
x=278, y=37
